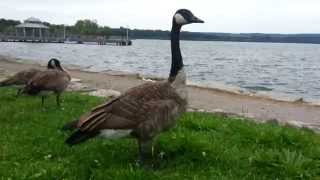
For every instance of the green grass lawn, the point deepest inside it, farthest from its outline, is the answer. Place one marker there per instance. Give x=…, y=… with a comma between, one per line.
x=203, y=146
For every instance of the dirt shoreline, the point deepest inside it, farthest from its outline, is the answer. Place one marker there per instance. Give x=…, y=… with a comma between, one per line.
x=204, y=99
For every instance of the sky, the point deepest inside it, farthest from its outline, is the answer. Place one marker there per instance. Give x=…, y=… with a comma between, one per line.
x=232, y=16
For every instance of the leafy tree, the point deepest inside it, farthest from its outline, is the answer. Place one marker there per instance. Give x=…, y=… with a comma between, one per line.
x=86, y=27
x=9, y=30
x=5, y=24
x=104, y=31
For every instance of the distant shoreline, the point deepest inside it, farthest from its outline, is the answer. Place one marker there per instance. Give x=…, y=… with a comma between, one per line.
x=205, y=40
x=228, y=37
x=200, y=98
x=210, y=40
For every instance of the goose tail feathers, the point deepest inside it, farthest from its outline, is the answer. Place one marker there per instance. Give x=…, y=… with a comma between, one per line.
x=6, y=82
x=79, y=137
x=70, y=125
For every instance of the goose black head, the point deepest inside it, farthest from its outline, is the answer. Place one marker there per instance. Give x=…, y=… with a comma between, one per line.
x=185, y=16
x=50, y=64
x=54, y=64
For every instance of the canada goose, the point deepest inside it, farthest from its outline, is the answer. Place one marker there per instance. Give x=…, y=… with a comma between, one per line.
x=21, y=78
x=56, y=79
x=143, y=111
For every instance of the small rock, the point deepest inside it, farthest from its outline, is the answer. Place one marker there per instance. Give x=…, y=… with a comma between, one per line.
x=105, y=93
x=217, y=110
x=296, y=124
x=75, y=80
x=147, y=80
x=76, y=86
x=249, y=115
x=192, y=110
x=300, y=100
x=313, y=126
x=151, y=78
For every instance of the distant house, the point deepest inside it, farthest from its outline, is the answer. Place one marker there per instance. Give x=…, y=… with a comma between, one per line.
x=32, y=28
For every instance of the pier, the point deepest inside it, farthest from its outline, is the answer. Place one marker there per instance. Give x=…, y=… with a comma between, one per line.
x=80, y=40
x=34, y=31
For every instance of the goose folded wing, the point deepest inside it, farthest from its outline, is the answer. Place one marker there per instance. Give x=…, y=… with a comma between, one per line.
x=119, y=113
x=147, y=119
x=20, y=78
x=48, y=80
x=126, y=111
x=23, y=77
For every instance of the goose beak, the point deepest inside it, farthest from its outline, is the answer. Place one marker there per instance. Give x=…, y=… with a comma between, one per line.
x=196, y=20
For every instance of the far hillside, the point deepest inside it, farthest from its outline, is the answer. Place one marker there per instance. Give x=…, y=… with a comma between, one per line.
x=235, y=37
x=89, y=27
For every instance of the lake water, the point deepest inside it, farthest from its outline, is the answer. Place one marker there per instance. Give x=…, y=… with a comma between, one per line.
x=279, y=70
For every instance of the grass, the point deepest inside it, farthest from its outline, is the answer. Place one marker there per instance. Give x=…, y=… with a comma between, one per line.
x=203, y=146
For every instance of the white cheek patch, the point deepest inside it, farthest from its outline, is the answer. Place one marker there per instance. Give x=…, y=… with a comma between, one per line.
x=180, y=19
x=52, y=64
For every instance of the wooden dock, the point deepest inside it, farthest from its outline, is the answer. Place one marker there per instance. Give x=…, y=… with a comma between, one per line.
x=69, y=40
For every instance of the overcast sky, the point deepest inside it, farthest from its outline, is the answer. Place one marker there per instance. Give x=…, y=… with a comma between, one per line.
x=264, y=16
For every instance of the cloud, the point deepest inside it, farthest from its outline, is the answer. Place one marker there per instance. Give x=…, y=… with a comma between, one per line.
x=270, y=16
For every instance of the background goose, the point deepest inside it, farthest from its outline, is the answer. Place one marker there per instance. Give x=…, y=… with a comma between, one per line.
x=55, y=80
x=143, y=111
x=23, y=77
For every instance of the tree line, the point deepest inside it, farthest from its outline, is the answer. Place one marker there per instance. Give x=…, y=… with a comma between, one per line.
x=232, y=37
x=90, y=27
x=7, y=25
x=81, y=27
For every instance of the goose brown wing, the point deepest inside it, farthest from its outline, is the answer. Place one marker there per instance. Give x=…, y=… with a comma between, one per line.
x=21, y=78
x=126, y=111
x=24, y=76
x=50, y=80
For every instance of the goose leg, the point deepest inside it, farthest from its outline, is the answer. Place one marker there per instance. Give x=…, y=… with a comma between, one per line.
x=145, y=152
x=19, y=92
x=42, y=100
x=58, y=99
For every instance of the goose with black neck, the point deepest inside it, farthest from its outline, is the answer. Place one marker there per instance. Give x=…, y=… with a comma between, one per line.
x=54, y=80
x=20, y=79
x=144, y=111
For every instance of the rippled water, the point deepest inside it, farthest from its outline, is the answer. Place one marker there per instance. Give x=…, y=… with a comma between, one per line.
x=291, y=70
